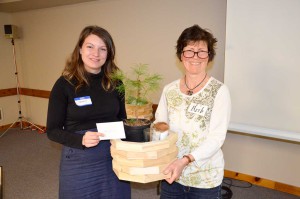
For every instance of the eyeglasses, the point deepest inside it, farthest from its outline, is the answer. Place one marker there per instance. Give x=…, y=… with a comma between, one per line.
x=190, y=54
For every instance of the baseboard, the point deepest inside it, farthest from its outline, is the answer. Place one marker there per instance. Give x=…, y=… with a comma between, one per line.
x=6, y=126
x=35, y=92
x=25, y=91
x=8, y=92
x=263, y=182
x=25, y=126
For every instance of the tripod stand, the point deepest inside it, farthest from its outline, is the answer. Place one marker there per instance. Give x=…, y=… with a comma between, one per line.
x=21, y=120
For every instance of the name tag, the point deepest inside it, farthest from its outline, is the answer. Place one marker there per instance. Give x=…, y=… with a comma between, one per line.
x=83, y=101
x=197, y=109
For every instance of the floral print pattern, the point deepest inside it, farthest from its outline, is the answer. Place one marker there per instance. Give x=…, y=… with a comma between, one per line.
x=192, y=129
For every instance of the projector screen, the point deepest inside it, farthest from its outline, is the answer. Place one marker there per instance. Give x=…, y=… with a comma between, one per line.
x=262, y=69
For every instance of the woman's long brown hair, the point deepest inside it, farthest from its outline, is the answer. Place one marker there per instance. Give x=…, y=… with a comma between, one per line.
x=74, y=71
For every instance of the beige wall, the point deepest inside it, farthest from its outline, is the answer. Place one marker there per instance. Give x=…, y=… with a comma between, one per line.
x=6, y=52
x=144, y=31
x=9, y=105
x=265, y=158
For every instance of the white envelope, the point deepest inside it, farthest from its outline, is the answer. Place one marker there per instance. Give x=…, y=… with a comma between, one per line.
x=112, y=130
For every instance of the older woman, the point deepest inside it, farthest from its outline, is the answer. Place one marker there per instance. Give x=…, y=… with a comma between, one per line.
x=197, y=108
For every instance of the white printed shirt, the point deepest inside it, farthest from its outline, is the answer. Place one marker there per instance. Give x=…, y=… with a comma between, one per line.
x=201, y=122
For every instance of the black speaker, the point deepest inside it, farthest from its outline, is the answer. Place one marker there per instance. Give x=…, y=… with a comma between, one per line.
x=11, y=31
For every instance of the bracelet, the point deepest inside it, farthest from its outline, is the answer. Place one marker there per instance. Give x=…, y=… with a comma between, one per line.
x=188, y=157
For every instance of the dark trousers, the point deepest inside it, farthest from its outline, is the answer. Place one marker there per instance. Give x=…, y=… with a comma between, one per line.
x=178, y=191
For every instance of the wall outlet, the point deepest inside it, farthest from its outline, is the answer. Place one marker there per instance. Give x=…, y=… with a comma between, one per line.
x=1, y=114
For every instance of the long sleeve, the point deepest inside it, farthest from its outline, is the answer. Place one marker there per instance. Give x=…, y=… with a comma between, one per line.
x=57, y=113
x=66, y=116
x=217, y=129
x=161, y=114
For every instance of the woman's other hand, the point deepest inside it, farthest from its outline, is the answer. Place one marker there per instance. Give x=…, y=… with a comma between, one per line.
x=91, y=139
x=175, y=168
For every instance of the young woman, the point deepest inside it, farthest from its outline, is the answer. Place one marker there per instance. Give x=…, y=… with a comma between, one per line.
x=83, y=96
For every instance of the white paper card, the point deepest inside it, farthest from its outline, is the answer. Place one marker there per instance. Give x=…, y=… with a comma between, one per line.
x=112, y=130
x=197, y=109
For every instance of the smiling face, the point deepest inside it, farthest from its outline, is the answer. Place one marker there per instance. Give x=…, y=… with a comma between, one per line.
x=195, y=65
x=93, y=53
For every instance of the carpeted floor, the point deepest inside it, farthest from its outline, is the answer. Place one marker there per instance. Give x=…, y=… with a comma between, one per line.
x=30, y=168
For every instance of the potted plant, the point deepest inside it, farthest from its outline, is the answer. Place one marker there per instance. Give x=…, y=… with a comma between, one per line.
x=137, y=88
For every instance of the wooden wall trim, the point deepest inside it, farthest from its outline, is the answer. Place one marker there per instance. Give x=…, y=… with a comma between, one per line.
x=263, y=182
x=5, y=127
x=8, y=92
x=24, y=91
x=34, y=92
x=25, y=126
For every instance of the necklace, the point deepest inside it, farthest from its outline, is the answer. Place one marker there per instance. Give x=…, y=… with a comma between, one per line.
x=190, y=90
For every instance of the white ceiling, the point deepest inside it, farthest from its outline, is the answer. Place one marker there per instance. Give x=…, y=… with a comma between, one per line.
x=10, y=6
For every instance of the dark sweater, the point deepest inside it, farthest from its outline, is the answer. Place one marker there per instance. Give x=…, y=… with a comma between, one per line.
x=65, y=117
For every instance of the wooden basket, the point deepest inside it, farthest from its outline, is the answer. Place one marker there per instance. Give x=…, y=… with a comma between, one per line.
x=143, y=162
x=143, y=111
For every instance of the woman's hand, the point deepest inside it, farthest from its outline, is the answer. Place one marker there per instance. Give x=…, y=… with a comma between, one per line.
x=175, y=168
x=91, y=139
